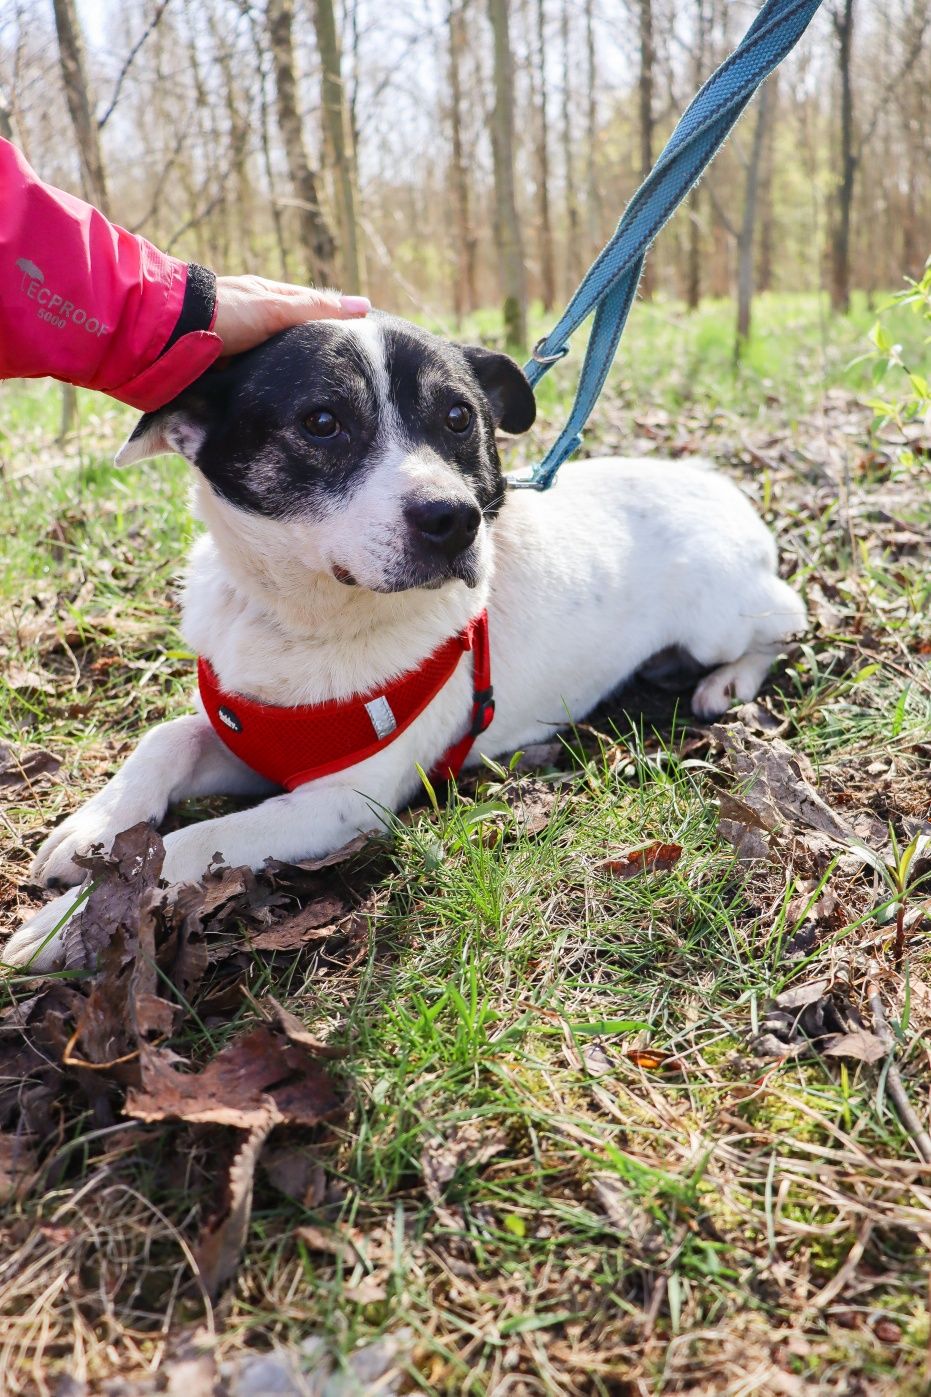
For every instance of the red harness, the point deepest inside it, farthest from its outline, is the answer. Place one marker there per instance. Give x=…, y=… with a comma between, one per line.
x=291, y=746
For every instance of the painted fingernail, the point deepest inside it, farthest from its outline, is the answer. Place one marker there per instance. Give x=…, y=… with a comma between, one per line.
x=355, y=305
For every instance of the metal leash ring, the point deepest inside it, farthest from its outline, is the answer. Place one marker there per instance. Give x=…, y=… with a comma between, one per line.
x=539, y=358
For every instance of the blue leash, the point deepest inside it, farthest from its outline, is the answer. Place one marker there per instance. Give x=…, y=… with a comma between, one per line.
x=610, y=284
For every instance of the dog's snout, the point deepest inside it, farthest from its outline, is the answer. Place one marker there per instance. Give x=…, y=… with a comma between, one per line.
x=449, y=525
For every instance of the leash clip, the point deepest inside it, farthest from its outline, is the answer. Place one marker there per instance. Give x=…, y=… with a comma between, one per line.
x=539, y=358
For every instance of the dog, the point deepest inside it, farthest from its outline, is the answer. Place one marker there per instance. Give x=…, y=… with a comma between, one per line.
x=357, y=519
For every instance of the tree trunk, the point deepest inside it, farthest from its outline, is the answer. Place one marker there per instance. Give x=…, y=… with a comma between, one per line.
x=593, y=193
x=547, y=260
x=339, y=146
x=767, y=211
x=319, y=246
x=748, y=225
x=572, y=206
x=6, y=117
x=87, y=138
x=840, y=250
x=507, y=226
x=647, y=281
x=80, y=104
x=465, y=295
x=693, y=252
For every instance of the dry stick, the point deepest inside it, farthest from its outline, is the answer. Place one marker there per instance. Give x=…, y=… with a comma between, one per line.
x=896, y=1087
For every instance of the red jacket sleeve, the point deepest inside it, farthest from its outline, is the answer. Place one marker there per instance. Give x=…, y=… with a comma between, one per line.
x=85, y=301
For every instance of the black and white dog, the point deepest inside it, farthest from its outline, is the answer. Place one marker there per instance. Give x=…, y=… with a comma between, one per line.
x=356, y=519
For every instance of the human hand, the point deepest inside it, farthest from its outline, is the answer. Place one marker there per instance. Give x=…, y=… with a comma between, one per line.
x=251, y=308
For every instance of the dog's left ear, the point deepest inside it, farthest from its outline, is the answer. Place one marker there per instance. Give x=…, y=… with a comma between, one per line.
x=180, y=426
x=511, y=398
x=160, y=433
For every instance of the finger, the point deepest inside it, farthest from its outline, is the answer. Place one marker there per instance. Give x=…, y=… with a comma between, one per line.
x=301, y=303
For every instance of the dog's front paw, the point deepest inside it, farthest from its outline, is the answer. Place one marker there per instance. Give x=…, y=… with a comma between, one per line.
x=39, y=943
x=190, y=851
x=95, y=823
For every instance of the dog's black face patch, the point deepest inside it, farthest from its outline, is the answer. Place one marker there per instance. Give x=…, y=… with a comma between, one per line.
x=293, y=427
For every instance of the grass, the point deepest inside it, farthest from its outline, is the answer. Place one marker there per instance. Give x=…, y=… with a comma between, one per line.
x=696, y=1221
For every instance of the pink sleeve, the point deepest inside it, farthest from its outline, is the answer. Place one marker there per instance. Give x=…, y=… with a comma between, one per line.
x=84, y=301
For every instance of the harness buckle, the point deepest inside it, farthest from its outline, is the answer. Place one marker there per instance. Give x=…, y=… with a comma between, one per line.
x=484, y=702
x=539, y=358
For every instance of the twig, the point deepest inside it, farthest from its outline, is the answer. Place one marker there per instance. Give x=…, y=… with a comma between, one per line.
x=896, y=1087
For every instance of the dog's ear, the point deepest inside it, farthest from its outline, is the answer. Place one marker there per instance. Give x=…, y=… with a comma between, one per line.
x=511, y=398
x=181, y=425
x=159, y=433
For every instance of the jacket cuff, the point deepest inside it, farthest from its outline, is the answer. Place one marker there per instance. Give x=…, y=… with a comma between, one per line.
x=172, y=372
x=199, y=306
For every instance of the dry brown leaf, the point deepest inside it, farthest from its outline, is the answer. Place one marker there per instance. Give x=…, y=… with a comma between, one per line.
x=223, y=1236
x=296, y=1031
x=777, y=798
x=297, y=1173
x=860, y=1045
x=329, y=1241
x=622, y=1209
x=17, y=1166
x=651, y=858
x=469, y=1143
x=123, y=879
x=24, y=767
x=285, y=871
x=533, y=803
x=653, y=1061
x=315, y=922
x=259, y=1075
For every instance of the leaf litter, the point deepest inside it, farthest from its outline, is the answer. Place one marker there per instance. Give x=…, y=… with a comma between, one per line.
x=138, y=969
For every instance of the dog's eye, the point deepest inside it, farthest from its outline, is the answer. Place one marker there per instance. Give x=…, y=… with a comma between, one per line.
x=321, y=423
x=459, y=418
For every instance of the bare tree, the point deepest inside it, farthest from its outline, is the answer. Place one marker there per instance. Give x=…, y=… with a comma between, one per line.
x=840, y=242
x=6, y=117
x=568, y=154
x=465, y=295
x=593, y=193
x=318, y=243
x=339, y=145
x=645, y=89
x=547, y=259
x=748, y=225
x=80, y=103
x=507, y=225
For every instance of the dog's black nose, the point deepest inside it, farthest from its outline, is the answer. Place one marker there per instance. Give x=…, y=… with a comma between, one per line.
x=450, y=525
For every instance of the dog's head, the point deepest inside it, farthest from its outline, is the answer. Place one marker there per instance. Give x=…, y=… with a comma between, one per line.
x=366, y=449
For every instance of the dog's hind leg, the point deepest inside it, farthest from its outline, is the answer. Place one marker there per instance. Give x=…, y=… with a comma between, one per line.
x=739, y=680
x=777, y=615
x=179, y=759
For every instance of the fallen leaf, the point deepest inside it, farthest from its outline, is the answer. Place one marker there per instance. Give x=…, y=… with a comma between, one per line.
x=122, y=879
x=469, y=1143
x=653, y=1061
x=259, y=1075
x=329, y=1241
x=25, y=767
x=651, y=858
x=223, y=1236
x=315, y=922
x=622, y=1209
x=17, y=1166
x=777, y=798
x=296, y=1172
x=286, y=871
x=296, y=1031
x=860, y=1045
x=532, y=803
